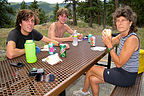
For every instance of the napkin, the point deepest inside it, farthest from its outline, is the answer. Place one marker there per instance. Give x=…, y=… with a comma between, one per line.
x=98, y=48
x=45, y=48
x=79, y=39
x=52, y=59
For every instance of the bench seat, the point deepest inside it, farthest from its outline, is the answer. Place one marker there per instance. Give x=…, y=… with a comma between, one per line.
x=129, y=91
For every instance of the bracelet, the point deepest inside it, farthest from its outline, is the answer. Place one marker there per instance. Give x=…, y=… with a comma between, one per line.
x=109, y=49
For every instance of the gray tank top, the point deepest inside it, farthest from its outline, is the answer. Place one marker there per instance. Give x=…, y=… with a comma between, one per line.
x=133, y=63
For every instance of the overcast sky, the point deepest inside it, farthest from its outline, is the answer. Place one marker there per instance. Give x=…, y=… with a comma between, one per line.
x=48, y=1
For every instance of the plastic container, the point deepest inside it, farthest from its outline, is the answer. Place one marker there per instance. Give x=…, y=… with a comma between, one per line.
x=30, y=51
x=141, y=61
x=75, y=38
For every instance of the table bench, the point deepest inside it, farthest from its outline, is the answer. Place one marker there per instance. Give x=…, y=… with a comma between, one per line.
x=129, y=91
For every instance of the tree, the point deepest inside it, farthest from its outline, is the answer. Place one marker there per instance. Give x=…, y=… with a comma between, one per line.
x=39, y=12
x=104, y=15
x=73, y=3
x=117, y=3
x=23, y=5
x=55, y=12
x=116, y=6
x=138, y=7
x=84, y=11
x=91, y=14
x=34, y=6
x=5, y=14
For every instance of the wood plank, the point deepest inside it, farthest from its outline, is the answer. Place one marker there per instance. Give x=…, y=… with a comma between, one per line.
x=129, y=91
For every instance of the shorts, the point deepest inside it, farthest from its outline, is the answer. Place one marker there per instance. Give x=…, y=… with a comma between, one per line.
x=119, y=77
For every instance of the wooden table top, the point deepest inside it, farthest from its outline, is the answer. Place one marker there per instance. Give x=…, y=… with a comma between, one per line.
x=78, y=60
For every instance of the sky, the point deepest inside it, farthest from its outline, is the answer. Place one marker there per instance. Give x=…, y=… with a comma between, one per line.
x=48, y=1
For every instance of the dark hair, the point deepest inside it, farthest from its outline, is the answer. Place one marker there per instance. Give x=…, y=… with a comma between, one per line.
x=25, y=14
x=62, y=11
x=128, y=13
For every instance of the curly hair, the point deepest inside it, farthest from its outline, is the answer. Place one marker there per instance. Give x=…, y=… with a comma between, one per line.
x=62, y=11
x=25, y=14
x=128, y=13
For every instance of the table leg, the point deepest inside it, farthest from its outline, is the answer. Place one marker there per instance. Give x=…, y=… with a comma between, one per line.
x=109, y=61
x=62, y=93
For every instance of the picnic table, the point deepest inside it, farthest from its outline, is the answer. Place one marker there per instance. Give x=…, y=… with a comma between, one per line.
x=79, y=59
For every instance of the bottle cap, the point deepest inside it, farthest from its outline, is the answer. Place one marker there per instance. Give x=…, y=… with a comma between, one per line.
x=29, y=41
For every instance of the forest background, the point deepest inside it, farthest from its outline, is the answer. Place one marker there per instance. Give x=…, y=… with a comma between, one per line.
x=89, y=16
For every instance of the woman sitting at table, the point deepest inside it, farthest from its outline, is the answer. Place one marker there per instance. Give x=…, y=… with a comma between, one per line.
x=126, y=62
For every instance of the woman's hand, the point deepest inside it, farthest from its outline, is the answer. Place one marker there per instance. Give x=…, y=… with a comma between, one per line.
x=107, y=39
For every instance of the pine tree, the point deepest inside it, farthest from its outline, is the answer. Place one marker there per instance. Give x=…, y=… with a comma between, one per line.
x=5, y=14
x=39, y=12
x=23, y=5
x=55, y=12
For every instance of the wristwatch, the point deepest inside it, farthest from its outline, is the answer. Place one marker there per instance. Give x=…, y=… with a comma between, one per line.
x=109, y=49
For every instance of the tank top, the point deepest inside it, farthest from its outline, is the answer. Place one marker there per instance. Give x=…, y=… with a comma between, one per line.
x=132, y=64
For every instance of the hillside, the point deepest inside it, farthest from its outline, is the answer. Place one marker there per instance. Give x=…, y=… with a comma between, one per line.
x=47, y=7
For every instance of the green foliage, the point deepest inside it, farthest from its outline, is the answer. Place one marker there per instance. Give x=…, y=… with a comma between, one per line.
x=55, y=12
x=84, y=9
x=23, y=5
x=35, y=7
x=5, y=14
x=141, y=36
x=138, y=7
x=43, y=17
x=110, y=8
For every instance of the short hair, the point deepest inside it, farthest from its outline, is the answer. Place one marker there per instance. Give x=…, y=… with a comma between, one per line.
x=62, y=11
x=128, y=13
x=25, y=14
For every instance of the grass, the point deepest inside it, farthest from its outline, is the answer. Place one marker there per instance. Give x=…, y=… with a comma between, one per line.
x=81, y=28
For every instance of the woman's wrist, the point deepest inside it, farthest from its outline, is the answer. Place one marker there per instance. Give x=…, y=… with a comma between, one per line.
x=109, y=49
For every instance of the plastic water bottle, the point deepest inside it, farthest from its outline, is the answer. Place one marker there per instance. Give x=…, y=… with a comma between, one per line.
x=30, y=51
x=75, y=38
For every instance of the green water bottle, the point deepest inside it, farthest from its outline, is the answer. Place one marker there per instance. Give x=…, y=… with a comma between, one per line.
x=30, y=51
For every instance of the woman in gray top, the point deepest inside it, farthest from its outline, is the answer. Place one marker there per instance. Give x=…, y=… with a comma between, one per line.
x=127, y=60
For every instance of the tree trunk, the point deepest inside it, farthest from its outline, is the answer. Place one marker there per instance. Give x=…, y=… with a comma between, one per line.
x=117, y=3
x=104, y=18
x=99, y=18
x=91, y=16
x=116, y=6
x=74, y=13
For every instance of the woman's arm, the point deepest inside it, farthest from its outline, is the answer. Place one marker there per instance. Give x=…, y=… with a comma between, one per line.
x=130, y=45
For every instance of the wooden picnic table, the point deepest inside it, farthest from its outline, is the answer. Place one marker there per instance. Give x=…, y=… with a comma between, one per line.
x=79, y=59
